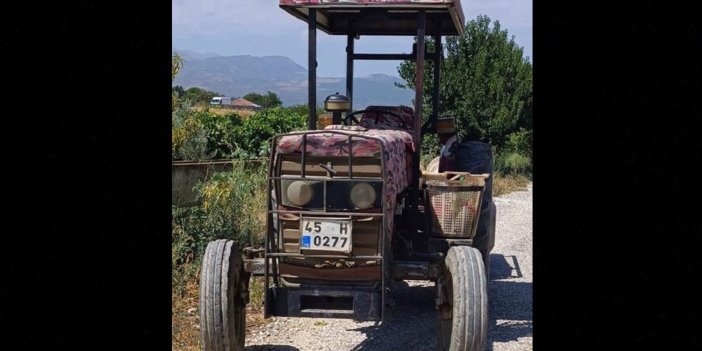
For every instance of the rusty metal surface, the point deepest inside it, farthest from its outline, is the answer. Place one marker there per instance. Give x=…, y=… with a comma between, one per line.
x=256, y=266
x=351, y=276
x=346, y=274
x=250, y=252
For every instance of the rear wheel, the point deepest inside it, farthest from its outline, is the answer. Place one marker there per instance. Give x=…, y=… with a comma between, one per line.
x=463, y=316
x=223, y=287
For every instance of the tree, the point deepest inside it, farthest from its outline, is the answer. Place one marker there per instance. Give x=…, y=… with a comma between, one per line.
x=176, y=64
x=486, y=83
x=199, y=96
x=178, y=91
x=266, y=101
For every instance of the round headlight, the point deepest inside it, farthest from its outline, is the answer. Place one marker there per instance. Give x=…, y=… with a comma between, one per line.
x=363, y=195
x=299, y=192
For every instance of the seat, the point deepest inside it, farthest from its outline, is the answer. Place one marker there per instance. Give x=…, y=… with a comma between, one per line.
x=380, y=120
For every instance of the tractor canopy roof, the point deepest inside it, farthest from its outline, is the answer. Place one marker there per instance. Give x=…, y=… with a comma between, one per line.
x=380, y=17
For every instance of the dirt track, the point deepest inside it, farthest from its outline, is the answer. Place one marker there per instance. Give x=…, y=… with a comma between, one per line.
x=411, y=324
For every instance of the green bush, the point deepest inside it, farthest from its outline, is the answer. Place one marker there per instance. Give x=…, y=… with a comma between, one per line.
x=234, y=203
x=253, y=137
x=203, y=135
x=302, y=110
x=514, y=158
x=189, y=135
x=520, y=142
x=232, y=206
x=513, y=163
x=187, y=247
x=221, y=132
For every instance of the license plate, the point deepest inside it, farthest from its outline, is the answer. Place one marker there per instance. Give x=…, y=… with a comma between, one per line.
x=326, y=234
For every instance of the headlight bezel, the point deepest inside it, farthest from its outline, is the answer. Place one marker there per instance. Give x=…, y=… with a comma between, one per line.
x=338, y=194
x=367, y=193
x=316, y=188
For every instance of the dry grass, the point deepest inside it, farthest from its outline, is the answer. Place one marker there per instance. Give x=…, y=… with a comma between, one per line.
x=506, y=184
x=254, y=310
x=185, y=316
x=225, y=111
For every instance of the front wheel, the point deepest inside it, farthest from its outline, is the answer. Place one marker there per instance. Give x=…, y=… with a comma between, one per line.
x=223, y=289
x=463, y=315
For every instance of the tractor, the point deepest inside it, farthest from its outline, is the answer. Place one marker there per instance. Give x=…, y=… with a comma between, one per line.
x=349, y=208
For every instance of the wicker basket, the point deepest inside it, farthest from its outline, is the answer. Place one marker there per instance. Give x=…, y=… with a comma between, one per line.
x=454, y=200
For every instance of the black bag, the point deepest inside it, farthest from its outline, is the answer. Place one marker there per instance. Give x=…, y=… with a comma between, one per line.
x=476, y=158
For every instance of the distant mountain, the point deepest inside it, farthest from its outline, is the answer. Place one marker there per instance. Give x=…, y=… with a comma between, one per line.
x=190, y=55
x=236, y=76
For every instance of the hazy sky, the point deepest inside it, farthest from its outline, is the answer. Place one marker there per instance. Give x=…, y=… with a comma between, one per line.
x=260, y=28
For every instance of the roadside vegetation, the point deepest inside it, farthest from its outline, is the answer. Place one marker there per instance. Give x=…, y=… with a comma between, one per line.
x=229, y=204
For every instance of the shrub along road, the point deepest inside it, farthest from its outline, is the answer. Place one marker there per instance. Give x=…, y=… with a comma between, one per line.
x=411, y=324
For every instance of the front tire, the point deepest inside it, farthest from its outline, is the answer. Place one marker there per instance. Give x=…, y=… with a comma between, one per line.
x=222, y=304
x=464, y=322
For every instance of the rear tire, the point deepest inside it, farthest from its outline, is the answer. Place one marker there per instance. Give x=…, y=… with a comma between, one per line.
x=222, y=306
x=466, y=291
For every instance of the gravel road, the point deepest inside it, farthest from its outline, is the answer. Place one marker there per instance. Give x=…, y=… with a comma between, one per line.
x=411, y=324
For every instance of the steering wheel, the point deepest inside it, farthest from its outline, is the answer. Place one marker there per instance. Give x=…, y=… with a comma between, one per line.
x=351, y=116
